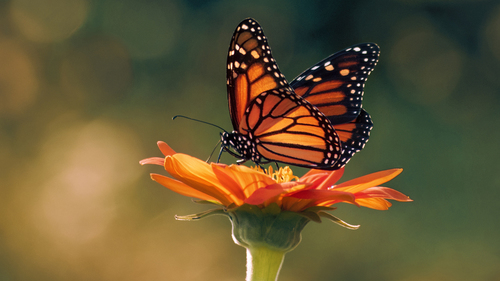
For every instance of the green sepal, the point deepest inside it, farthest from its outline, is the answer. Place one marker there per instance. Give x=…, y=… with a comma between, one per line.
x=311, y=216
x=209, y=202
x=201, y=215
x=337, y=220
x=312, y=212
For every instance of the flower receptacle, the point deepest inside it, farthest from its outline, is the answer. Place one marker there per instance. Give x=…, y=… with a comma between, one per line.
x=269, y=227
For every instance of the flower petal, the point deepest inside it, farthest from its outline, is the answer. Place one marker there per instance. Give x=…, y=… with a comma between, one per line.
x=153, y=160
x=231, y=181
x=180, y=187
x=197, y=174
x=315, y=179
x=322, y=179
x=294, y=204
x=267, y=193
x=247, y=178
x=165, y=148
x=324, y=195
x=332, y=178
x=263, y=194
x=383, y=192
x=364, y=182
x=374, y=203
x=315, y=197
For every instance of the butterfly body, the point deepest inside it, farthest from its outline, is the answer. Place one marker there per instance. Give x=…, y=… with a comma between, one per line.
x=316, y=121
x=245, y=147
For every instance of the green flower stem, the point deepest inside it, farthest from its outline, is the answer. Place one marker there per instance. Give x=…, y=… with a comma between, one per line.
x=267, y=233
x=263, y=264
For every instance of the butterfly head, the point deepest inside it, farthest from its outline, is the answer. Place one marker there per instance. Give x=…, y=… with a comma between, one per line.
x=243, y=147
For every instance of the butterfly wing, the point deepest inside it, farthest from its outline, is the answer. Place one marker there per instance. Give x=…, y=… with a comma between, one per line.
x=251, y=69
x=353, y=137
x=286, y=128
x=335, y=84
x=276, y=124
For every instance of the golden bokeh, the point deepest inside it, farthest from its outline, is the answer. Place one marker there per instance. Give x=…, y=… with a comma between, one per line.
x=87, y=170
x=425, y=66
x=97, y=70
x=19, y=79
x=48, y=20
x=492, y=32
x=149, y=30
x=87, y=88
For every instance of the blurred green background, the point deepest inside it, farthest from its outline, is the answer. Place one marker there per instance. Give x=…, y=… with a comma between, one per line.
x=88, y=87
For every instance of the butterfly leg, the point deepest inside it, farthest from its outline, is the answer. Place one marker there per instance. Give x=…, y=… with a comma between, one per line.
x=222, y=148
x=213, y=150
x=241, y=161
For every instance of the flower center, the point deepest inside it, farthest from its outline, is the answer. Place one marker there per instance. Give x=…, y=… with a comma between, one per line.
x=281, y=175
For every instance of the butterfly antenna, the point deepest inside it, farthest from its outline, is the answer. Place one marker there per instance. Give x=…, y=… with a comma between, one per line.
x=212, y=153
x=197, y=120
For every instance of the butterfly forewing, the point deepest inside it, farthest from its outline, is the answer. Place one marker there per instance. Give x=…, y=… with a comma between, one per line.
x=335, y=84
x=251, y=69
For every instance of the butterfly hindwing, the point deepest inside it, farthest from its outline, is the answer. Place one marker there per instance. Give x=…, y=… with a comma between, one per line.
x=353, y=136
x=335, y=84
x=288, y=129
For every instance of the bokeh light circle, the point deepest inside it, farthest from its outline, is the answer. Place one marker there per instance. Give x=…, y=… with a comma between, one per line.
x=424, y=65
x=97, y=71
x=492, y=33
x=48, y=20
x=19, y=82
x=148, y=30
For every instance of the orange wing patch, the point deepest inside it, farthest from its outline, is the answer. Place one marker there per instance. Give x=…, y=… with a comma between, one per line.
x=249, y=42
x=327, y=97
x=301, y=91
x=347, y=64
x=244, y=37
x=277, y=125
x=255, y=71
x=333, y=110
x=253, y=117
x=263, y=84
x=327, y=86
x=293, y=154
x=308, y=129
x=270, y=104
x=306, y=140
x=241, y=100
x=345, y=131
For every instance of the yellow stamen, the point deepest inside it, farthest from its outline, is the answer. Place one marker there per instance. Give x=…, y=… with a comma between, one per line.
x=282, y=175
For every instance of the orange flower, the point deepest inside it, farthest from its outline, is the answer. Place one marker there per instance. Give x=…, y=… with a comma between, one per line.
x=235, y=185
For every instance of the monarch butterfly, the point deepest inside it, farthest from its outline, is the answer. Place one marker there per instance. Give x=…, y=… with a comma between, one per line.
x=316, y=121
